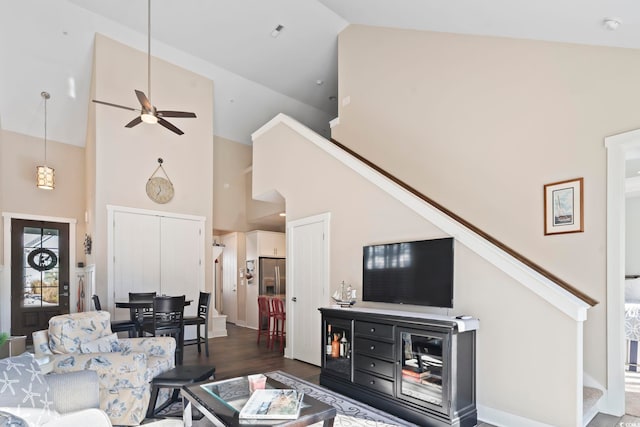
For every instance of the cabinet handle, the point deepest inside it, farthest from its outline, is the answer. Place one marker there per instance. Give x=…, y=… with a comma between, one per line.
x=373, y=365
x=373, y=329
x=373, y=347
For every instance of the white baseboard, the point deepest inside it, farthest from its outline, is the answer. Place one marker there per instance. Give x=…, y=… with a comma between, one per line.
x=500, y=418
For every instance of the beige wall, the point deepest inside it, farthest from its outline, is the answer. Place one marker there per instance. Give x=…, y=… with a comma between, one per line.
x=231, y=161
x=480, y=124
x=517, y=328
x=20, y=156
x=233, y=207
x=126, y=158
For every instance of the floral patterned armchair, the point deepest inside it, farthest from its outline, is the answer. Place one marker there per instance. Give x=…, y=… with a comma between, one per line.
x=125, y=366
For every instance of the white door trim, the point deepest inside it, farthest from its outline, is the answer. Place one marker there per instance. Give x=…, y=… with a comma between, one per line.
x=5, y=291
x=618, y=148
x=325, y=219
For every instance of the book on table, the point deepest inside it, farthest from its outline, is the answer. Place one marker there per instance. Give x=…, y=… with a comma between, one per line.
x=273, y=404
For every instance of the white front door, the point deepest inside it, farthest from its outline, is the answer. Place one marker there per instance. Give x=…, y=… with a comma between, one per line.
x=307, y=264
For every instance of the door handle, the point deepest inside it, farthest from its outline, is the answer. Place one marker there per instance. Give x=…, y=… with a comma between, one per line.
x=294, y=299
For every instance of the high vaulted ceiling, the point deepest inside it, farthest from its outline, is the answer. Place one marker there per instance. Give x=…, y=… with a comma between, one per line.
x=47, y=45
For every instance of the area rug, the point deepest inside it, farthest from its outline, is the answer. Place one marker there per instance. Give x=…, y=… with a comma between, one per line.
x=351, y=413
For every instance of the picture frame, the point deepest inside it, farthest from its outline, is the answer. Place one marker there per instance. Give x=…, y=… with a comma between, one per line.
x=564, y=207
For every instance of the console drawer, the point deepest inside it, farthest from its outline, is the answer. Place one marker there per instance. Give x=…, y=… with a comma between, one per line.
x=373, y=365
x=376, y=330
x=374, y=348
x=373, y=382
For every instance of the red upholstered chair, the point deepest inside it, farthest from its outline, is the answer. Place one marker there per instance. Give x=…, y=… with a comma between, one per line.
x=264, y=319
x=279, y=317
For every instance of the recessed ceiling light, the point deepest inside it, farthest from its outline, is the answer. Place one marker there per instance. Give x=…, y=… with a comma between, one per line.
x=611, y=24
x=276, y=31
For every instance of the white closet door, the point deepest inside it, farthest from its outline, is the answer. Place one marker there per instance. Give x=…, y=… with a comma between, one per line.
x=136, y=260
x=181, y=260
x=308, y=289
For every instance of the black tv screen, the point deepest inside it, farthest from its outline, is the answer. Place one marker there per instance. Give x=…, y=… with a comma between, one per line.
x=419, y=273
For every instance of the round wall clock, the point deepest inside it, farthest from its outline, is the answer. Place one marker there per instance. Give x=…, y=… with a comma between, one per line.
x=159, y=189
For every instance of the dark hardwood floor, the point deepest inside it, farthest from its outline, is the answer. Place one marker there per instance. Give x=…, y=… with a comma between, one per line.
x=238, y=354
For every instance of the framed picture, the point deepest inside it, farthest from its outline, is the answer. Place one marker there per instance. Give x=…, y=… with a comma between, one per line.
x=563, y=207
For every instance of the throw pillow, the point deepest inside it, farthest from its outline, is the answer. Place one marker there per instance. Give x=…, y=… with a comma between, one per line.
x=106, y=344
x=22, y=385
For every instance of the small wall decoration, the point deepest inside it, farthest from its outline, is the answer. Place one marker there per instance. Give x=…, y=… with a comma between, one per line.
x=87, y=244
x=564, y=207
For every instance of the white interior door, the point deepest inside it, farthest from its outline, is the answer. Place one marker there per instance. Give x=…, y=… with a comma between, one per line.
x=136, y=256
x=229, y=277
x=153, y=252
x=181, y=259
x=307, y=264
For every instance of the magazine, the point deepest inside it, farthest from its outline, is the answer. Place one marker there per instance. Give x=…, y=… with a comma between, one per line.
x=273, y=404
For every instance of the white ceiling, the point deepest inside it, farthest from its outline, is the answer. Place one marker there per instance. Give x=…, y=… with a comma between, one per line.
x=47, y=45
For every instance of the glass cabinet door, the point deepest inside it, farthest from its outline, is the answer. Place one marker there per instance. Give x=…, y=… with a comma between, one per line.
x=337, y=341
x=423, y=375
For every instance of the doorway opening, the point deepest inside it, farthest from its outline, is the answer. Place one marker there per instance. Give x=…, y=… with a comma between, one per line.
x=620, y=148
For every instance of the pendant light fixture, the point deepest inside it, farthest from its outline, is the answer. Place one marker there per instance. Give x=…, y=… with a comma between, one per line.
x=45, y=175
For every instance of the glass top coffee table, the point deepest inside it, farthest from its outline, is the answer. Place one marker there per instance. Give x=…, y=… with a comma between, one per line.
x=221, y=402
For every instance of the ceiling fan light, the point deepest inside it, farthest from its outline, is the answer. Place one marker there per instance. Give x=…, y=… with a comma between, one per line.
x=45, y=177
x=149, y=118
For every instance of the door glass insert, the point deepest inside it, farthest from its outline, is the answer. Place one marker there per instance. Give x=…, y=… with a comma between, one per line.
x=422, y=367
x=41, y=267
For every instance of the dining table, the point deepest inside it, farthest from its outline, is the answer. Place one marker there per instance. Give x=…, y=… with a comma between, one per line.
x=141, y=306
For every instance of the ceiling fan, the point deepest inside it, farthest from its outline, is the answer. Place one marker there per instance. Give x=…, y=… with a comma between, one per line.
x=148, y=112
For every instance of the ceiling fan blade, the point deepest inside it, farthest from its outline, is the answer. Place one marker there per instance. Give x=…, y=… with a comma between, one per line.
x=169, y=126
x=176, y=114
x=133, y=122
x=114, y=105
x=144, y=101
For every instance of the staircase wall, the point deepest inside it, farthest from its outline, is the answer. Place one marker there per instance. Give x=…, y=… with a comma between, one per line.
x=526, y=346
x=480, y=124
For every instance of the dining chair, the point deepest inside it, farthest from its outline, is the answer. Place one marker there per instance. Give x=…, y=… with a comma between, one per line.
x=264, y=319
x=129, y=326
x=201, y=319
x=136, y=314
x=279, y=317
x=168, y=320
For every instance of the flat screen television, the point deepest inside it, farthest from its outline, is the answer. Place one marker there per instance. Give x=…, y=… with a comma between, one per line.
x=419, y=273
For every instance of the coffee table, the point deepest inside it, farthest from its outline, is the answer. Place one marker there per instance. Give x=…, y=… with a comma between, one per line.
x=221, y=402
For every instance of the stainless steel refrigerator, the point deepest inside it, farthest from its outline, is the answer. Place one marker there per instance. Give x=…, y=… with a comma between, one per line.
x=272, y=276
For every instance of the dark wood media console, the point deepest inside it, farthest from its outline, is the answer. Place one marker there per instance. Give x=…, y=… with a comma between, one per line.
x=417, y=366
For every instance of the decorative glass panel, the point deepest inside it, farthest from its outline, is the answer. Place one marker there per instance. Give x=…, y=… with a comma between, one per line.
x=41, y=267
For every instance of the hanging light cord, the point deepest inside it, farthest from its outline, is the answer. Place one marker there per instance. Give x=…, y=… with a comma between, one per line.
x=46, y=96
x=149, y=49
